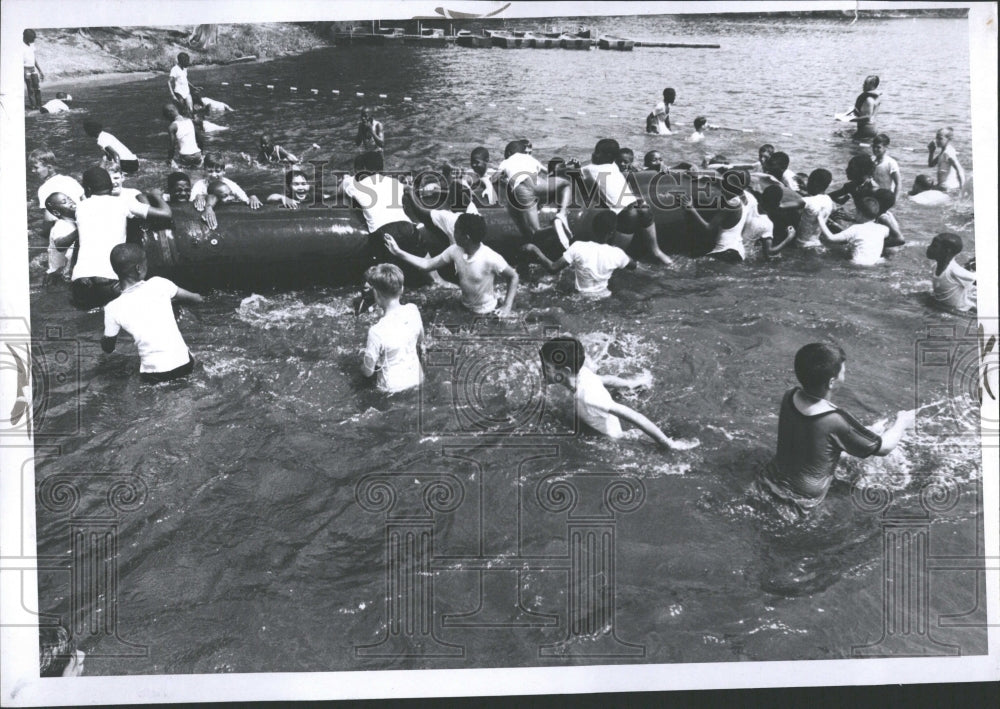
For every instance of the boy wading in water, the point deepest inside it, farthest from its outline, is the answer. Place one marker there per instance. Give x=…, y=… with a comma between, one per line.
x=813, y=432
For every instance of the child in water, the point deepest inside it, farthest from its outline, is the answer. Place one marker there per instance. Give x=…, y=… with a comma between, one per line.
x=817, y=208
x=626, y=158
x=178, y=188
x=812, y=433
x=396, y=341
x=653, y=160
x=520, y=172
x=269, y=153
x=483, y=177
x=215, y=170
x=62, y=236
x=564, y=363
x=954, y=286
x=144, y=311
x=887, y=175
x=701, y=125
x=865, y=240
x=941, y=154
x=659, y=120
x=112, y=148
x=592, y=261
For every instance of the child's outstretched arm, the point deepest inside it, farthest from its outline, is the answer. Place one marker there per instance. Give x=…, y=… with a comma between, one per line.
x=827, y=235
x=535, y=254
x=639, y=380
x=647, y=426
x=424, y=264
x=186, y=296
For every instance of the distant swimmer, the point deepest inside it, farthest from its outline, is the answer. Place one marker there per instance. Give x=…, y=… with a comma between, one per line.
x=209, y=104
x=370, y=136
x=564, y=363
x=144, y=310
x=954, y=286
x=701, y=126
x=659, y=120
x=58, y=104
x=111, y=147
x=396, y=342
x=812, y=434
x=941, y=154
x=866, y=107
x=33, y=75
x=183, y=150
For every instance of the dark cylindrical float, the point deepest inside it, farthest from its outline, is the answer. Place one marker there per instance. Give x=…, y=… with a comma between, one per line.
x=273, y=246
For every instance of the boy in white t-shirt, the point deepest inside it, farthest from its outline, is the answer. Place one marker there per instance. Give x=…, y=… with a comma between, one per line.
x=563, y=362
x=865, y=240
x=887, y=175
x=476, y=264
x=145, y=312
x=113, y=149
x=520, y=172
x=177, y=82
x=593, y=261
x=396, y=341
x=954, y=286
x=818, y=206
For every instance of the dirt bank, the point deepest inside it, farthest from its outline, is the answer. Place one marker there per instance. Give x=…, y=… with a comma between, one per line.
x=66, y=54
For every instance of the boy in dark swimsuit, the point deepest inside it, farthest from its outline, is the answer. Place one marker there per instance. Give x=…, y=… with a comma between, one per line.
x=812, y=433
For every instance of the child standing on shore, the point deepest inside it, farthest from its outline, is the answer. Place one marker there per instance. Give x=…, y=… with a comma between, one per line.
x=32, y=72
x=954, y=286
x=564, y=363
x=144, y=311
x=396, y=340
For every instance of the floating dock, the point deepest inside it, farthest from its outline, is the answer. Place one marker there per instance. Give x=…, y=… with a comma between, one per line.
x=508, y=39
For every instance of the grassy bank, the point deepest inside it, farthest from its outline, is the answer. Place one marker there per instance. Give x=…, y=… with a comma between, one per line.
x=71, y=53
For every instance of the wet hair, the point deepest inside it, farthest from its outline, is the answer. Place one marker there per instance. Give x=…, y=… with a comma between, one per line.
x=871, y=82
x=881, y=139
x=51, y=200
x=96, y=180
x=606, y=151
x=63, y=96
x=369, y=162
x=126, y=257
x=779, y=161
x=648, y=158
x=819, y=181
x=947, y=132
x=868, y=207
x=183, y=57
x=514, y=146
x=626, y=152
x=386, y=279
x=952, y=242
x=772, y=197
x=860, y=166
x=472, y=226
x=700, y=122
x=170, y=111
x=174, y=178
x=817, y=363
x=604, y=225
x=214, y=160
x=220, y=189
x=44, y=156
x=734, y=182
x=766, y=147
x=564, y=351
x=28, y=36
x=92, y=126
x=54, y=647
x=669, y=95
x=480, y=153
x=289, y=176
x=886, y=200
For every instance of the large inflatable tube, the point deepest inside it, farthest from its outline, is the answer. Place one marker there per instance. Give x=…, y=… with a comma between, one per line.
x=273, y=246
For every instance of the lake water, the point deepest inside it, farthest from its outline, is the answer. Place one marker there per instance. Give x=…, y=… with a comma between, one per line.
x=254, y=548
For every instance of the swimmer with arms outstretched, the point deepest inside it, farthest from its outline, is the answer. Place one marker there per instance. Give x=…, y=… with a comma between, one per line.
x=813, y=432
x=564, y=363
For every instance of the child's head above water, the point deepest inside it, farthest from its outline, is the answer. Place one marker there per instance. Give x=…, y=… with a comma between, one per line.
x=603, y=226
x=60, y=205
x=297, y=185
x=215, y=165
x=470, y=230
x=653, y=160
x=513, y=147
x=777, y=163
x=128, y=261
x=479, y=160
x=561, y=353
x=764, y=152
x=943, y=136
x=386, y=279
x=625, y=159
x=179, y=187
x=868, y=208
x=817, y=364
x=170, y=112
x=699, y=123
x=606, y=151
x=771, y=198
x=96, y=181
x=92, y=127
x=871, y=83
x=819, y=181
x=860, y=168
x=945, y=245
x=669, y=96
